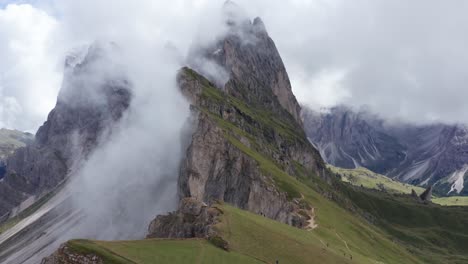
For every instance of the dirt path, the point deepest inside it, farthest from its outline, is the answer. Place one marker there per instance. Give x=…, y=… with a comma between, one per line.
x=344, y=241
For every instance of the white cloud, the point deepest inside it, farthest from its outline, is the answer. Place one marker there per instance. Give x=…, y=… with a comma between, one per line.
x=29, y=71
x=321, y=90
x=404, y=59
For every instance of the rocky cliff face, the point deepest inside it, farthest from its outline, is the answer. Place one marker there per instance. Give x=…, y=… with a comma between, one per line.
x=193, y=219
x=88, y=104
x=247, y=131
x=240, y=151
x=256, y=73
x=424, y=155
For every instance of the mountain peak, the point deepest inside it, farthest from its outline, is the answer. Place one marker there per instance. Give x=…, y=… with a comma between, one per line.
x=254, y=70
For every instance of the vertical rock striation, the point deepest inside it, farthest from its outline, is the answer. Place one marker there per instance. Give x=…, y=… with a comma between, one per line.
x=425, y=155
x=248, y=134
x=256, y=71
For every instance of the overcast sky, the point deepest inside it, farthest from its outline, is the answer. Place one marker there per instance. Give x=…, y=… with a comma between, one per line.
x=404, y=59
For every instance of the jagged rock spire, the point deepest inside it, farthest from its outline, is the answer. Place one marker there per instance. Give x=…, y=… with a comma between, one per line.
x=252, y=64
x=426, y=196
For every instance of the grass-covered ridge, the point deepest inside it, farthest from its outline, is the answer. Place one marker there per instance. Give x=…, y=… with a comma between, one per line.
x=371, y=180
x=367, y=179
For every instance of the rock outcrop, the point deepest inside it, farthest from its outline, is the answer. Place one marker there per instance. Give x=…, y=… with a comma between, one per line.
x=219, y=165
x=426, y=196
x=88, y=105
x=193, y=219
x=64, y=255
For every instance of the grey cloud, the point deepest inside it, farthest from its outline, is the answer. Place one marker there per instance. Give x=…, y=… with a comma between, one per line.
x=404, y=59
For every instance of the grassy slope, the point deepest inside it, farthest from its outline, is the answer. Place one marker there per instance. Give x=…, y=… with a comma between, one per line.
x=159, y=251
x=371, y=180
x=452, y=201
x=11, y=140
x=260, y=238
x=13, y=137
x=253, y=239
x=345, y=233
x=437, y=234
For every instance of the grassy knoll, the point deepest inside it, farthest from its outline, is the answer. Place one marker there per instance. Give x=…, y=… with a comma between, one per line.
x=371, y=180
x=452, y=201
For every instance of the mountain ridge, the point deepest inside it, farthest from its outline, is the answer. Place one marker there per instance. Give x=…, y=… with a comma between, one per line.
x=418, y=154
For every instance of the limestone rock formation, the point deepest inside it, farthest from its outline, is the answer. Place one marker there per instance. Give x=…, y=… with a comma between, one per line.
x=88, y=105
x=256, y=71
x=64, y=255
x=247, y=130
x=426, y=196
x=193, y=219
x=216, y=168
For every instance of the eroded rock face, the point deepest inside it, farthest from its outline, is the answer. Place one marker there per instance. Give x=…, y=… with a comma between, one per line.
x=193, y=219
x=66, y=256
x=251, y=116
x=215, y=169
x=89, y=103
x=423, y=155
x=426, y=196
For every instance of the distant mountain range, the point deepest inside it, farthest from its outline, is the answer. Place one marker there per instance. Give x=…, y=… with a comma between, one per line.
x=423, y=155
x=10, y=140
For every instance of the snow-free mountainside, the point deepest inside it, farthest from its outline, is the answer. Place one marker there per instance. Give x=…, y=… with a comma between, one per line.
x=251, y=187
x=422, y=155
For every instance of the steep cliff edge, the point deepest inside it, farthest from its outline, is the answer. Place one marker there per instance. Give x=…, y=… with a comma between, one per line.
x=254, y=68
x=88, y=104
x=240, y=154
x=248, y=134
